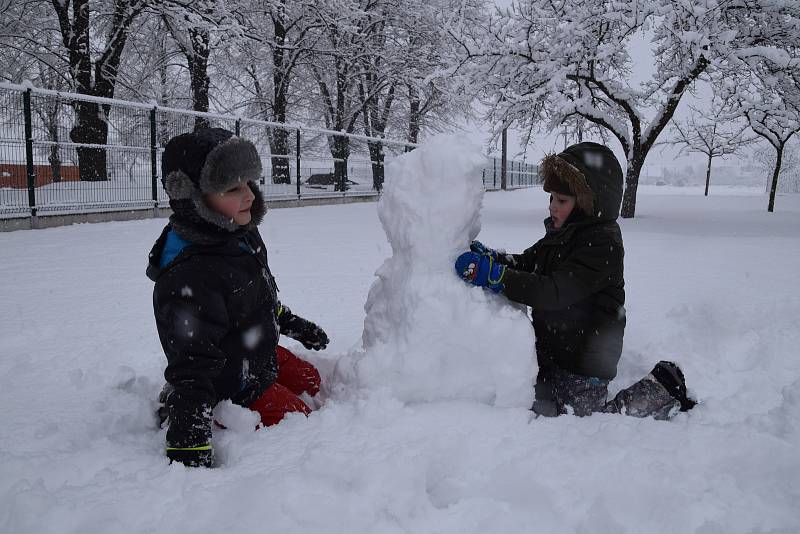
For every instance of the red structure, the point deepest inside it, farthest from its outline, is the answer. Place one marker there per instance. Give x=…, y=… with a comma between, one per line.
x=16, y=175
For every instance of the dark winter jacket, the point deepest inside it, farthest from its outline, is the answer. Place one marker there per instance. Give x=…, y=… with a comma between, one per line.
x=573, y=277
x=216, y=310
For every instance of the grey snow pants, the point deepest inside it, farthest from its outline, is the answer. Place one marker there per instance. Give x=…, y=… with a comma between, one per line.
x=560, y=392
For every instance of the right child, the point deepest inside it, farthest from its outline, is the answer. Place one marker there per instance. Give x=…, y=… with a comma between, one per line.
x=572, y=279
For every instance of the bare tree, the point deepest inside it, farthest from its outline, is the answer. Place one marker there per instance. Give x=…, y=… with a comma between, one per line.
x=346, y=29
x=789, y=181
x=434, y=99
x=263, y=70
x=94, y=74
x=22, y=60
x=766, y=90
x=193, y=30
x=713, y=132
x=381, y=62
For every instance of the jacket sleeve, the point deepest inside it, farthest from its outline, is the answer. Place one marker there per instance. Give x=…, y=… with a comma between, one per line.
x=192, y=318
x=521, y=262
x=590, y=267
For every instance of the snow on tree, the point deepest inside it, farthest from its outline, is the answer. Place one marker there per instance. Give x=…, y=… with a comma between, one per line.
x=264, y=71
x=381, y=60
x=541, y=62
x=430, y=101
x=93, y=37
x=345, y=29
x=94, y=70
x=398, y=66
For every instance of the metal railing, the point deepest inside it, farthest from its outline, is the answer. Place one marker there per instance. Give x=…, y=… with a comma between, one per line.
x=64, y=153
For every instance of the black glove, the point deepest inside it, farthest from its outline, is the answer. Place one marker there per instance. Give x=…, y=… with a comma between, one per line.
x=200, y=456
x=297, y=328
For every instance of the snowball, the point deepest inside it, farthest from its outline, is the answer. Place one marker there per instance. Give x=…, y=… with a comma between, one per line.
x=235, y=417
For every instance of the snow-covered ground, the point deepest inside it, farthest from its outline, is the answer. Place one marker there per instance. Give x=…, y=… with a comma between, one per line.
x=712, y=284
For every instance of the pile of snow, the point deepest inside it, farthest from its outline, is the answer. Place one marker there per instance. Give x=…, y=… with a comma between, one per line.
x=428, y=335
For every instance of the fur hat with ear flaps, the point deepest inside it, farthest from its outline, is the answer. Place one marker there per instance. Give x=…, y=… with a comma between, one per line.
x=210, y=160
x=591, y=173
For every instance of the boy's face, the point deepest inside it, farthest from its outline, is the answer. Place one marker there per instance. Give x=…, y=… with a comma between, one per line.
x=561, y=207
x=234, y=203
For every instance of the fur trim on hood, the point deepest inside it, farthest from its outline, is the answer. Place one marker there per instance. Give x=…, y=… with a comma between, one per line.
x=561, y=177
x=591, y=173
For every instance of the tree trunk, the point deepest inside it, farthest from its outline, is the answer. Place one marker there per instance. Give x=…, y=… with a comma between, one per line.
x=631, y=186
x=54, y=158
x=340, y=150
x=91, y=119
x=279, y=146
x=91, y=128
x=163, y=131
x=414, y=116
x=504, y=160
x=197, y=59
x=55, y=163
x=708, y=172
x=377, y=156
x=279, y=140
x=775, y=173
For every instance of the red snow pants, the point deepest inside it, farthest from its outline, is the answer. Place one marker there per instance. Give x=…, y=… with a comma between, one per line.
x=295, y=376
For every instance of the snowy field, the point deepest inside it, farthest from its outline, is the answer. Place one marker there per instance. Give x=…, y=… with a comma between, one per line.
x=712, y=284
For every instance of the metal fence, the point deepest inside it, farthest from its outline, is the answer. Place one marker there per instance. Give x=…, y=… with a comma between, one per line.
x=63, y=153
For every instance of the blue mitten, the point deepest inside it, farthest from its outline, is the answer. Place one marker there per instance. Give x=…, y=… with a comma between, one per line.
x=480, y=248
x=481, y=270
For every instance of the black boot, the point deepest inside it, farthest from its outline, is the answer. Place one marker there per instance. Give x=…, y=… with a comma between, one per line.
x=670, y=376
x=162, y=412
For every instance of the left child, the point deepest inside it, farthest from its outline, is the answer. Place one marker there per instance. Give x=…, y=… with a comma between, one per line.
x=215, y=300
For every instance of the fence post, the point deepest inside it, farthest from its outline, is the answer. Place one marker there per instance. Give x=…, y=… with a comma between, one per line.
x=504, y=161
x=26, y=101
x=494, y=173
x=153, y=158
x=238, y=127
x=297, y=162
x=512, y=173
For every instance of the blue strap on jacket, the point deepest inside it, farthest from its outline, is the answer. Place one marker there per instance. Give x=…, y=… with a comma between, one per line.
x=172, y=248
x=175, y=244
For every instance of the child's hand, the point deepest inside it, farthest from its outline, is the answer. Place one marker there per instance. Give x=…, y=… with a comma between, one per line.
x=479, y=248
x=306, y=332
x=481, y=270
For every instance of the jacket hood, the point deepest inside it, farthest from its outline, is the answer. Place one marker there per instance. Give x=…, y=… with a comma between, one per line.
x=592, y=173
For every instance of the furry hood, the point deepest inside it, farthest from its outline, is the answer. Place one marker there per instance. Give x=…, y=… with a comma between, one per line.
x=591, y=173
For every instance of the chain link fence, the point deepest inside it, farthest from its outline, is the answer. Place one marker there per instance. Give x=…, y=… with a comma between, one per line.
x=63, y=153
